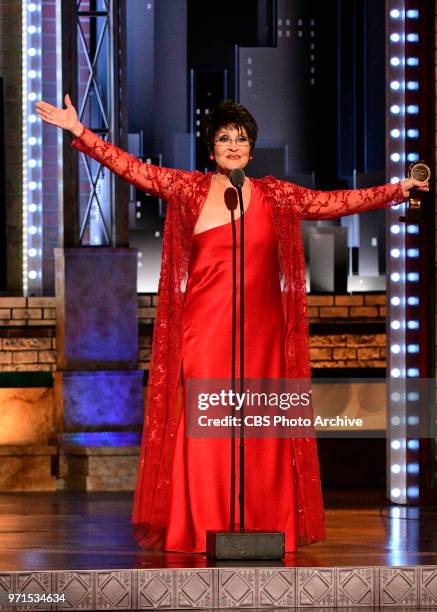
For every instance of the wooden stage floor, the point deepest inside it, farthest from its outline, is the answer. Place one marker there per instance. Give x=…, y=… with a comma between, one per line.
x=80, y=546
x=62, y=531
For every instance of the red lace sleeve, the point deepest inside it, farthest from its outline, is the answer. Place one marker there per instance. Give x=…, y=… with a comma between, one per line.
x=160, y=182
x=310, y=204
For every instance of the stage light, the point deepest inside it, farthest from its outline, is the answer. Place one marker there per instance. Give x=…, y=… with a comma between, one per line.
x=413, y=277
x=413, y=133
x=395, y=253
x=412, y=372
x=395, y=349
x=413, y=348
x=413, y=61
x=395, y=229
x=395, y=37
x=413, y=37
x=412, y=491
x=413, y=420
x=413, y=324
x=413, y=396
x=413, y=252
x=395, y=157
x=396, y=468
x=394, y=180
x=412, y=157
x=395, y=324
x=395, y=301
x=413, y=14
x=413, y=85
x=395, y=13
x=413, y=229
x=395, y=133
x=395, y=372
x=395, y=492
x=395, y=444
x=395, y=277
x=395, y=109
x=395, y=397
x=31, y=90
x=413, y=444
x=413, y=300
x=395, y=420
x=412, y=109
x=413, y=468
x=395, y=61
x=395, y=85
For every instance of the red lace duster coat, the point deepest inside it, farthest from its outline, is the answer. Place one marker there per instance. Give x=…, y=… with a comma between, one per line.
x=185, y=193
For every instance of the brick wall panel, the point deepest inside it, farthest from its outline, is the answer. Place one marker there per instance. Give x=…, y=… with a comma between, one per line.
x=25, y=357
x=320, y=300
x=332, y=312
x=344, y=353
x=364, y=311
x=328, y=350
x=368, y=353
x=318, y=354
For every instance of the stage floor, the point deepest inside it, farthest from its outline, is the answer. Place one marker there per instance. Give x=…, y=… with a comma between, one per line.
x=79, y=547
x=73, y=531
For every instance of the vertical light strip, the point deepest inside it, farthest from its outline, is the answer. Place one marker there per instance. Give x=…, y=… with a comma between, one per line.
x=60, y=104
x=396, y=447
x=32, y=147
x=403, y=129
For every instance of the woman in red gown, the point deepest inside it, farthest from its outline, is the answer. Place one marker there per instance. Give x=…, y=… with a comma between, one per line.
x=183, y=485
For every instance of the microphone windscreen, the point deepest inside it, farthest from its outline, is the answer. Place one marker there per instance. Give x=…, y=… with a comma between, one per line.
x=237, y=178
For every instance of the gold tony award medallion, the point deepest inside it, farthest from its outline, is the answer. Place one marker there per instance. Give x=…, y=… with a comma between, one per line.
x=420, y=171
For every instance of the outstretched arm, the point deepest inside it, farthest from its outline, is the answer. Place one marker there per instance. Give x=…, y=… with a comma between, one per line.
x=312, y=205
x=161, y=182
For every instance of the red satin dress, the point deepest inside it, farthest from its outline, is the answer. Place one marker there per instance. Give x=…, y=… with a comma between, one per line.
x=200, y=495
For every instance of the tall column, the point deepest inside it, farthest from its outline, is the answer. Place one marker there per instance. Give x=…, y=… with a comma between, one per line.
x=98, y=388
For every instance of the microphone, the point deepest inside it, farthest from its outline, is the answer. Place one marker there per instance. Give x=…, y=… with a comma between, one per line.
x=237, y=178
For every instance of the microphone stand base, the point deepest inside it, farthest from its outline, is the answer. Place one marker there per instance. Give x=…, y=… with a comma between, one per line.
x=245, y=544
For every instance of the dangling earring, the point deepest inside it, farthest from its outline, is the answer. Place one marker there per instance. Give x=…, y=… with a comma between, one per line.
x=211, y=157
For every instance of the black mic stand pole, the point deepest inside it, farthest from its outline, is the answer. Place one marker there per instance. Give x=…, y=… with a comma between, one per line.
x=241, y=488
x=233, y=369
x=241, y=544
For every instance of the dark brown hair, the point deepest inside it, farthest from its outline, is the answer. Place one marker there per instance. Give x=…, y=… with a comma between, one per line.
x=229, y=113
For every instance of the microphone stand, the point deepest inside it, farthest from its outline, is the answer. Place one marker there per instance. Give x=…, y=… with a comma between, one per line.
x=233, y=368
x=241, y=488
x=240, y=544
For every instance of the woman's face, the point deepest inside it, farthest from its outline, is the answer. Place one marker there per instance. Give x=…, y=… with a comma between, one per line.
x=231, y=149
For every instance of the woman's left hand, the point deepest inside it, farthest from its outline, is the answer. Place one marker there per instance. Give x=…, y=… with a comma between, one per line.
x=410, y=183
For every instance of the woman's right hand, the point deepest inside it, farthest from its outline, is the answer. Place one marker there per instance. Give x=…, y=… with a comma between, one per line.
x=65, y=118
